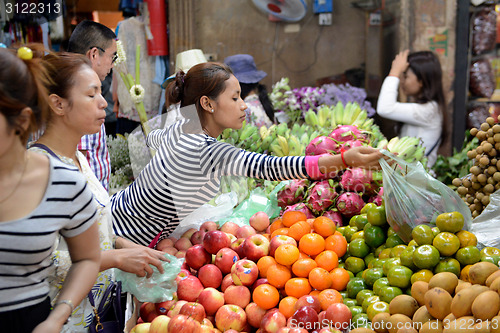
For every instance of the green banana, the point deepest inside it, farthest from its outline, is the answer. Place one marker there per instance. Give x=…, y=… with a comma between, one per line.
x=266, y=142
x=276, y=149
x=247, y=132
x=281, y=129
x=263, y=131
x=283, y=144
x=311, y=118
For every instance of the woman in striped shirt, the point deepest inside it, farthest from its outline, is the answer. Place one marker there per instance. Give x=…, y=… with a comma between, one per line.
x=186, y=170
x=40, y=198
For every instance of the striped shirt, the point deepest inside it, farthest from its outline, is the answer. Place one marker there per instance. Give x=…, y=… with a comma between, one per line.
x=97, y=155
x=26, y=244
x=183, y=175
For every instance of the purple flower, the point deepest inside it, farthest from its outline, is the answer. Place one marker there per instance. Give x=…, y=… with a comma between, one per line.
x=344, y=94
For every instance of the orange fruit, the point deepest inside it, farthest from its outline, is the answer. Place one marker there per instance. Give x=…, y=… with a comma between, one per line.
x=278, y=223
x=312, y=244
x=320, y=279
x=286, y=254
x=327, y=260
x=302, y=267
x=297, y=287
x=340, y=278
x=315, y=293
x=264, y=263
x=266, y=296
x=336, y=243
x=286, y=306
x=290, y=217
x=324, y=226
x=328, y=297
x=280, y=231
x=302, y=255
x=299, y=229
x=278, y=275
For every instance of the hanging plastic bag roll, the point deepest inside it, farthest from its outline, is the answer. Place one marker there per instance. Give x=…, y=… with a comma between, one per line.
x=414, y=197
x=157, y=288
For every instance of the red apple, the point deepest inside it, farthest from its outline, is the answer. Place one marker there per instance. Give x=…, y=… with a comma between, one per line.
x=237, y=246
x=210, y=276
x=225, y=258
x=207, y=322
x=338, y=316
x=254, y=314
x=184, y=324
x=209, y=226
x=182, y=244
x=189, y=288
x=245, y=231
x=180, y=254
x=229, y=227
x=278, y=240
x=141, y=328
x=215, y=240
x=244, y=272
x=321, y=316
x=162, y=308
x=237, y=295
x=188, y=233
x=258, y=282
x=174, y=311
x=329, y=330
x=272, y=321
x=305, y=317
x=196, y=257
x=184, y=273
x=308, y=300
x=226, y=282
x=230, y=316
x=211, y=299
x=147, y=312
x=256, y=247
x=193, y=310
x=159, y=324
x=292, y=330
x=164, y=243
x=206, y=329
x=197, y=237
x=259, y=221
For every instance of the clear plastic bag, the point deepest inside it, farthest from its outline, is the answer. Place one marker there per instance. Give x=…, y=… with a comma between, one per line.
x=157, y=288
x=485, y=225
x=414, y=197
x=258, y=201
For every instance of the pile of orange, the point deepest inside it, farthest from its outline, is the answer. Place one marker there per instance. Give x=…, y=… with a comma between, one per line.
x=308, y=268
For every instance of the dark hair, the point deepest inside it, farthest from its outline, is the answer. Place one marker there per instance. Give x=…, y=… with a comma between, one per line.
x=205, y=79
x=246, y=88
x=426, y=66
x=62, y=68
x=89, y=34
x=22, y=84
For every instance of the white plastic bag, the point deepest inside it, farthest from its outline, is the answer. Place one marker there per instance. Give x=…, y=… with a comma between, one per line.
x=486, y=225
x=223, y=208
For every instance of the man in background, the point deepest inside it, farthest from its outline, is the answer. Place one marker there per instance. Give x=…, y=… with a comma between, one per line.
x=98, y=43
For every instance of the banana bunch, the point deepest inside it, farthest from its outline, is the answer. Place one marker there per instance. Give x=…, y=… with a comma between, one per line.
x=408, y=148
x=279, y=147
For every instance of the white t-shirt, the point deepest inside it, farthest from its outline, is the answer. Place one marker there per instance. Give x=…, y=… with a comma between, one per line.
x=423, y=121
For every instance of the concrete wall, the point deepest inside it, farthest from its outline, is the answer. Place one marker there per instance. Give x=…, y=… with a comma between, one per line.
x=307, y=53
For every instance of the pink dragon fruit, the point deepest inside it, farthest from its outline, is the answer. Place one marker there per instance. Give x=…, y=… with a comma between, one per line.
x=378, y=198
x=361, y=180
x=301, y=207
x=321, y=145
x=335, y=216
x=345, y=133
x=321, y=196
x=292, y=193
x=350, y=144
x=349, y=204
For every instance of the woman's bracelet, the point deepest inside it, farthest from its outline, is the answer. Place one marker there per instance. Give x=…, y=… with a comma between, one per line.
x=342, y=157
x=67, y=302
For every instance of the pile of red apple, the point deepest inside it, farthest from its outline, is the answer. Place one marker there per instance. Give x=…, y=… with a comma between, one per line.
x=214, y=287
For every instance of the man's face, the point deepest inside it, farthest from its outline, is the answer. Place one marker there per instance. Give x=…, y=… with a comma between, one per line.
x=103, y=61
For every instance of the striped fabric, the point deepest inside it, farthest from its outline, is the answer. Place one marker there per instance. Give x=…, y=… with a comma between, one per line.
x=185, y=174
x=26, y=244
x=97, y=155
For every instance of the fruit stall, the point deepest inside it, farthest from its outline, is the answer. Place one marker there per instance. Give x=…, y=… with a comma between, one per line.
x=330, y=257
